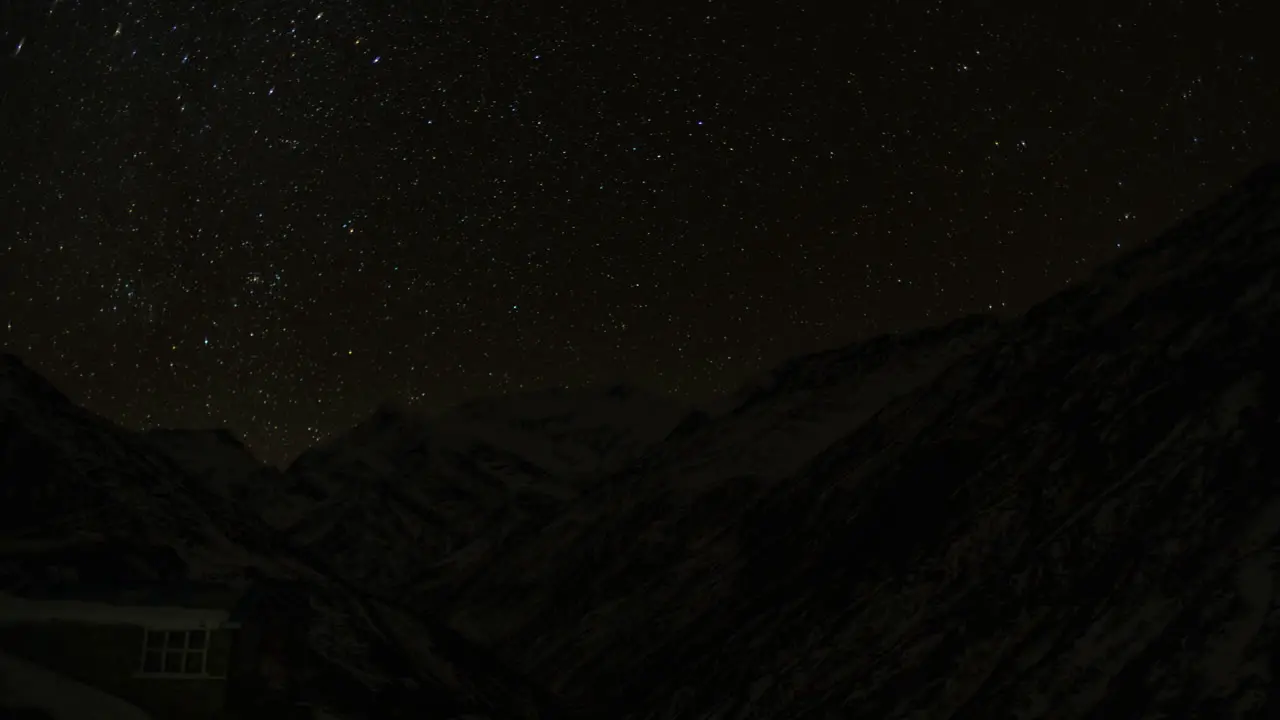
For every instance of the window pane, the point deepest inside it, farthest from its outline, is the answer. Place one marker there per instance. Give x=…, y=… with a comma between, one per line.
x=195, y=663
x=154, y=639
x=195, y=639
x=151, y=661
x=177, y=639
x=173, y=661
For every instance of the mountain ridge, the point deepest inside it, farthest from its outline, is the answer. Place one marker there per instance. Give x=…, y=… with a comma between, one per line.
x=1066, y=514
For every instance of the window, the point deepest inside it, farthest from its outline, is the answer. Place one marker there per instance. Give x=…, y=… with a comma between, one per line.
x=174, y=652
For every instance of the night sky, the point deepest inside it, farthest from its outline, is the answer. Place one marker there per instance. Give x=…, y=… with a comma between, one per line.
x=272, y=216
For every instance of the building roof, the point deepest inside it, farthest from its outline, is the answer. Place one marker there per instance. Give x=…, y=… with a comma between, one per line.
x=168, y=605
x=193, y=595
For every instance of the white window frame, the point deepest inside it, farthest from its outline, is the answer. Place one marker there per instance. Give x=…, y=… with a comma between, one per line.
x=184, y=652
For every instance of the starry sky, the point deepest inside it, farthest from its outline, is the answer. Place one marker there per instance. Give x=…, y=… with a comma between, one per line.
x=273, y=216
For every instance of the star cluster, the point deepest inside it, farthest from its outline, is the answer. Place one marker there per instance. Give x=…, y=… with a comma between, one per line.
x=271, y=216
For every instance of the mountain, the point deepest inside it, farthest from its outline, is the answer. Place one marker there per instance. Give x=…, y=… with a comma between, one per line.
x=85, y=505
x=1069, y=514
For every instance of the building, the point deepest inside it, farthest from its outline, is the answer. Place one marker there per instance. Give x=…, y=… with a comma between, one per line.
x=180, y=650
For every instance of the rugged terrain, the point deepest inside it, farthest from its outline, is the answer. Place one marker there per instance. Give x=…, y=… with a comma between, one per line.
x=1070, y=514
